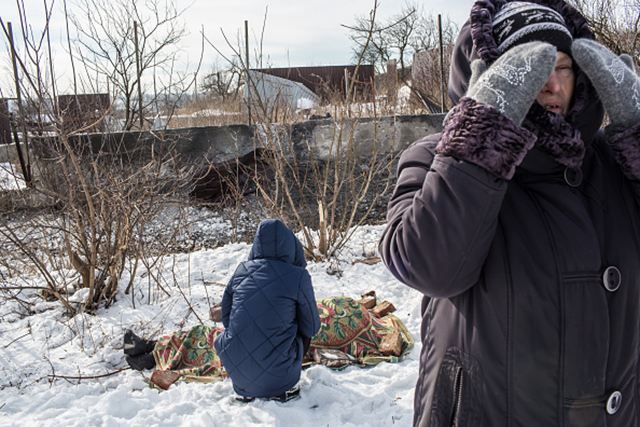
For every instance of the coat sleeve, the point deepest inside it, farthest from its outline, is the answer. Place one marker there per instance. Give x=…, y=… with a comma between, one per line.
x=227, y=300
x=625, y=144
x=443, y=213
x=306, y=308
x=227, y=297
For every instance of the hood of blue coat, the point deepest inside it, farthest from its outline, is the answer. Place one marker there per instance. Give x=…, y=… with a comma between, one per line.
x=475, y=40
x=275, y=241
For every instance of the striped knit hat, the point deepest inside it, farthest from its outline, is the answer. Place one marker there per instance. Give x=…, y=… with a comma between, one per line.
x=519, y=22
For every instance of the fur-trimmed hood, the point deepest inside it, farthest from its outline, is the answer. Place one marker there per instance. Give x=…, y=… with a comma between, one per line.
x=476, y=41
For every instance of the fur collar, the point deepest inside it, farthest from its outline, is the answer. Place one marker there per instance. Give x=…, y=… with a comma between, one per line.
x=556, y=136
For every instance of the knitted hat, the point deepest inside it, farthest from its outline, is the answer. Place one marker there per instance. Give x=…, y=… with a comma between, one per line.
x=519, y=22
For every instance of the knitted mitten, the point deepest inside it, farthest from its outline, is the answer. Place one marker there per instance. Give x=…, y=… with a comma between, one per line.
x=512, y=83
x=613, y=77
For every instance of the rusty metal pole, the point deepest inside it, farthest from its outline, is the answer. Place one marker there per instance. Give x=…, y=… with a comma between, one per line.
x=246, y=65
x=138, y=72
x=442, y=102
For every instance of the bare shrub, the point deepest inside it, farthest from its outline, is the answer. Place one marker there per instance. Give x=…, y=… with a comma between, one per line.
x=96, y=195
x=325, y=191
x=102, y=202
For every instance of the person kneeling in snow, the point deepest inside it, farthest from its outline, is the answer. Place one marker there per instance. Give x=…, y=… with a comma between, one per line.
x=269, y=314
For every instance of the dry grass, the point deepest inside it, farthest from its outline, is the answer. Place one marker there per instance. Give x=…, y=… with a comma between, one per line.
x=209, y=111
x=213, y=111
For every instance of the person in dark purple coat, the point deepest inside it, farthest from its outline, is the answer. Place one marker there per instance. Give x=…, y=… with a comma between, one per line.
x=520, y=225
x=269, y=313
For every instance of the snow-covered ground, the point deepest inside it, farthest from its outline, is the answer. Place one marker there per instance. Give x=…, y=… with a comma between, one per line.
x=10, y=177
x=37, y=350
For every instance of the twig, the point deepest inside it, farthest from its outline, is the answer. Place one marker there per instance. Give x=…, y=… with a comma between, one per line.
x=175, y=280
x=17, y=339
x=216, y=283
x=86, y=377
x=53, y=370
x=206, y=292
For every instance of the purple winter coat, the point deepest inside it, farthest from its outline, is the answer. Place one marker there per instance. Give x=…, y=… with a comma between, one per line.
x=530, y=269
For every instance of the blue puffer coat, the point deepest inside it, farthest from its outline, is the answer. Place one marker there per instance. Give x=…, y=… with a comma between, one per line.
x=267, y=309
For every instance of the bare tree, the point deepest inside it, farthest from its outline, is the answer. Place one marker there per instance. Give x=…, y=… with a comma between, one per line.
x=400, y=34
x=426, y=69
x=412, y=39
x=122, y=40
x=616, y=23
x=223, y=83
x=371, y=45
x=398, y=37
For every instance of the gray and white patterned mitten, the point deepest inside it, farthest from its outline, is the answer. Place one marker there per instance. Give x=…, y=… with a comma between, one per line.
x=613, y=77
x=513, y=82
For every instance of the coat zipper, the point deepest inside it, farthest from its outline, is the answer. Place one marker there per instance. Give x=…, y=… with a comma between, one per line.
x=457, y=397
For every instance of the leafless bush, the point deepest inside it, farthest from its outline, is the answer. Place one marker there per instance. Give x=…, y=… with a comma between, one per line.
x=98, y=193
x=102, y=202
x=326, y=191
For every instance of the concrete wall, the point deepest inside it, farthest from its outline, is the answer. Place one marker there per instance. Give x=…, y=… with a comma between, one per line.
x=388, y=134
x=221, y=143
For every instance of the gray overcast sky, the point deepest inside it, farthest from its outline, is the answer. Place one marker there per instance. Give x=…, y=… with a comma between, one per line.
x=297, y=33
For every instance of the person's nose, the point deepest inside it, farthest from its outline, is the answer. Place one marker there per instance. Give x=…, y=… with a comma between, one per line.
x=553, y=83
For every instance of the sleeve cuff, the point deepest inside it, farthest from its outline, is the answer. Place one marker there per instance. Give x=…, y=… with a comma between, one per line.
x=480, y=134
x=625, y=143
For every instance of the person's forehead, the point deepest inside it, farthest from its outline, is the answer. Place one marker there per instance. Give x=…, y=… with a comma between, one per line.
x=563, y=58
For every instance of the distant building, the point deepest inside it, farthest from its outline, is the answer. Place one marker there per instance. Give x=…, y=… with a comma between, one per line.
x=272, y=92
x=84, y=111
x=329, y=82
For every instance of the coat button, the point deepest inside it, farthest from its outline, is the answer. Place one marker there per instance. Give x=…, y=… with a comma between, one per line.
x=614, y=402
x=611, y=278
x=573, y=176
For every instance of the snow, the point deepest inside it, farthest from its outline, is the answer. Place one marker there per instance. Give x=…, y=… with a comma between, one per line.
x=36, y=347
x=404, y=96
x=305, y=104
x=10, y=178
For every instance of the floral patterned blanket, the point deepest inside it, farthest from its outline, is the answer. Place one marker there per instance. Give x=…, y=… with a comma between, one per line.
x=348, y=327
x=190, y=354
x=349, y=334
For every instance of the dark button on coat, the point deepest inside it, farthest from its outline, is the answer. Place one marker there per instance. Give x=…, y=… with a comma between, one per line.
x=268, y=308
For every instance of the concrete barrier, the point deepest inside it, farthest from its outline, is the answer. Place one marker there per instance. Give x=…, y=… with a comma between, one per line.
x=387, y=134
x=222, y=143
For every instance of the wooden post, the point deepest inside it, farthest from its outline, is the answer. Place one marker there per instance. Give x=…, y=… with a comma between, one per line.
x=442, y=106
x=138, y=72
x=246, y=64
x=346, y=85
x=26, y=167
